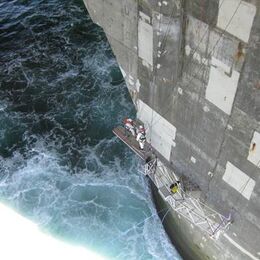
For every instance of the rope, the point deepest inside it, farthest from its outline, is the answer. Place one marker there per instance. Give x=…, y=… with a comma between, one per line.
x=205, y=33
x=241, y=190
x=233, y=210
x=166, y=214
x=164, y=40
x=201, y=66
x=136, y=225
x=162, y=47
x=199, y=71
x=168, y=178
x=200, y=41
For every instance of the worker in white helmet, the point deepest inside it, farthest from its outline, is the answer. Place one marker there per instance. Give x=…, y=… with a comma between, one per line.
x=141, y=137
x=129, y=126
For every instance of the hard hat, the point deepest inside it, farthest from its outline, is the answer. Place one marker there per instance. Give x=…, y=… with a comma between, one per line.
x=141, y=129
x=128, y=120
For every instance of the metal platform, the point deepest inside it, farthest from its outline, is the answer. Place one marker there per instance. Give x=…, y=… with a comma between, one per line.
x=192, y=209
x=131, y=142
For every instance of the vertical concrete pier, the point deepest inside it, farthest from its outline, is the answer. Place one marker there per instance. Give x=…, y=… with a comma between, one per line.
x=192, y=68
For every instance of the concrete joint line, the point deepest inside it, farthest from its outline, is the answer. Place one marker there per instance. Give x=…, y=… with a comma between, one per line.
x=240, y=247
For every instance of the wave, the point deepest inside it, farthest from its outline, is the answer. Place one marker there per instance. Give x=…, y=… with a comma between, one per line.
x=61, y=95
x=109, y=210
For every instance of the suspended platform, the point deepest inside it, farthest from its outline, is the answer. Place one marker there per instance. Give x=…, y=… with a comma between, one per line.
x=131, y=142
x=190, y=208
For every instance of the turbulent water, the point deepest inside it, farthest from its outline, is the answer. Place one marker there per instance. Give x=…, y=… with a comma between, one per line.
x=61, y=94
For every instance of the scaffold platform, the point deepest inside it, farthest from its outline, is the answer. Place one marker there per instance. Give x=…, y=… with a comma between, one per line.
x=192, y=209
x=131, y=142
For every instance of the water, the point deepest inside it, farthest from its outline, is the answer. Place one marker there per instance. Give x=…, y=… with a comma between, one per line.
x=61, y=94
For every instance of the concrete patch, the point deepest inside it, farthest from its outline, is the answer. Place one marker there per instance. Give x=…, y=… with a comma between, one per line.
x=238, y=180
x=241, y=24
x=165, y=2
x=206, y=109
x=145, y=40
x=221, y=87
x=160, y=132
x=138, y=85
x=193, y=159
x=230, y=127
x=180, y=91
x=144, y=17
x=254, y=150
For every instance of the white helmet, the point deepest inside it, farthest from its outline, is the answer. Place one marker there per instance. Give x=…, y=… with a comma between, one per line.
x=141, y=128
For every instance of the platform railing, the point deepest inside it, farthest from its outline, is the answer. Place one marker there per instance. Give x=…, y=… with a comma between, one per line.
x=192, y=209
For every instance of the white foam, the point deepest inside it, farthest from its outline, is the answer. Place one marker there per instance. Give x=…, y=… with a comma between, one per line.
x=21, y=239
x=106, y=196
x=110, y=203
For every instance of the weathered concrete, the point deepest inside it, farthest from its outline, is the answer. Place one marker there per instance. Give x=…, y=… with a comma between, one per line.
x=196, y=64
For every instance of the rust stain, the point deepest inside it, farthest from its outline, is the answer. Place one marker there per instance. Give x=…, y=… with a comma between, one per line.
x=257, y=85
x=253, y=147
x=240, y=53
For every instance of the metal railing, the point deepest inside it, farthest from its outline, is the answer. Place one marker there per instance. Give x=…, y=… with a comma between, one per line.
x=192, y=209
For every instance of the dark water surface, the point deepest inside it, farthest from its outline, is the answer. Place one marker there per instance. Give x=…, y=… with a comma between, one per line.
x=61, y=93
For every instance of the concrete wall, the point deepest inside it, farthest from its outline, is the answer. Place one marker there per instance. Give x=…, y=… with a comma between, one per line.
x=193, y=69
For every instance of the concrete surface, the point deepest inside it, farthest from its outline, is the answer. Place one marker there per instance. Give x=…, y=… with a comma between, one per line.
x=196, y=65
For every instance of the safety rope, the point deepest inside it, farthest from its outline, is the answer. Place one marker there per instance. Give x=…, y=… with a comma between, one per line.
x=200, y=41
x=212, y=22
x=201, y=66
x=161, y=45
x=166, y=214
x=136, y=225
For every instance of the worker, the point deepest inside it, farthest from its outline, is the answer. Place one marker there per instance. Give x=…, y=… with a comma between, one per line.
x=129, y=126
x=175, y=187
x=141, y=137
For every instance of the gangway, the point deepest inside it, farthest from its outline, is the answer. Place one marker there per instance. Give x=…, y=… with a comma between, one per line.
x=192, y=209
